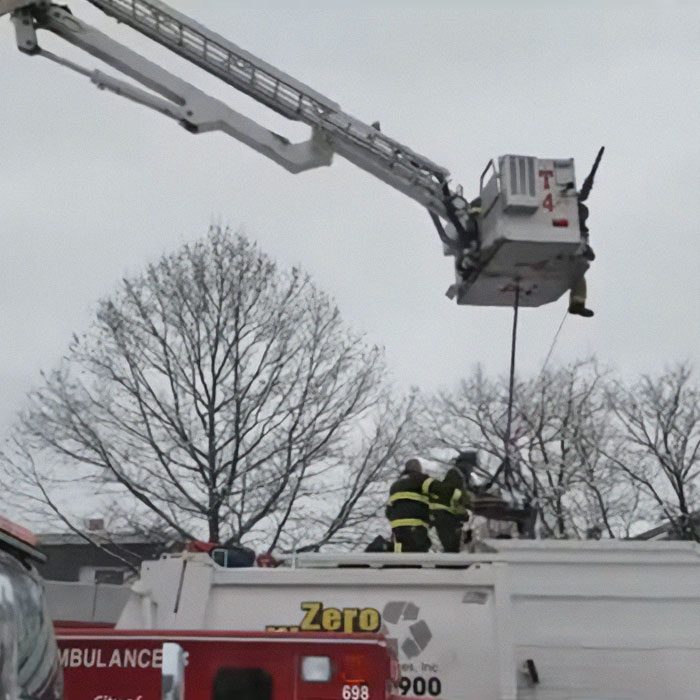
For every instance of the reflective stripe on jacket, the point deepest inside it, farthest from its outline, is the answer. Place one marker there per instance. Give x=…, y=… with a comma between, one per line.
x=407, y=522
x=409, y=500
x=455, y=506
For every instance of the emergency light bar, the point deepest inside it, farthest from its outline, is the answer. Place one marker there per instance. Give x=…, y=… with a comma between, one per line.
x=18, y=538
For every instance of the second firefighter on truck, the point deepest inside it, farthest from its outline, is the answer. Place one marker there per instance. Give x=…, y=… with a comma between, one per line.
x=410, y=514
x=448, y=515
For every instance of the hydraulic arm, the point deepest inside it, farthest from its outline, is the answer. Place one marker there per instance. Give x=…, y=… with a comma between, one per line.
x=503, y=241
x=332, y=130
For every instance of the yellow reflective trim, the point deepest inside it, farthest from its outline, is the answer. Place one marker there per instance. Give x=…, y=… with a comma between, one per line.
x=439, y=506
x=425, y=488
x=455, y=507
x=397, y=546
x=408, y=522
x=407, y=496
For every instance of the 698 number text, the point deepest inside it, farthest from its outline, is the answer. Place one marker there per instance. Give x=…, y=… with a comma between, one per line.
x=355, y=692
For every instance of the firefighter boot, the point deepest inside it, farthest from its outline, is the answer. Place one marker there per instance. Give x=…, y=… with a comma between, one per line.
x=579, y=309
x=577, y=299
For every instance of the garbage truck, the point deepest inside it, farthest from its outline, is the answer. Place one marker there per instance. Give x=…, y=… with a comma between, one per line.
x=520, y=620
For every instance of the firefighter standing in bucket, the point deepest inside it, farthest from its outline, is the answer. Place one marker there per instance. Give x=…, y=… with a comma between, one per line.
x=408, y=509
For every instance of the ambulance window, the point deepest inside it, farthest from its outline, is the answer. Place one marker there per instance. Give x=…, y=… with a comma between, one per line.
x=315, y=669
x=242, y=684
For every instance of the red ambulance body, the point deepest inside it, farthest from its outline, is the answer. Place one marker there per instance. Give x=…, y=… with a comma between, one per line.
x=101, y=664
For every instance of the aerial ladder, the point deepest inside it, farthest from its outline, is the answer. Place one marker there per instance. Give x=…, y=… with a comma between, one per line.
x=522, y=242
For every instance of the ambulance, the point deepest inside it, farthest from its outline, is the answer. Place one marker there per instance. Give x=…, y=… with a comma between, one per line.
x=101, y=664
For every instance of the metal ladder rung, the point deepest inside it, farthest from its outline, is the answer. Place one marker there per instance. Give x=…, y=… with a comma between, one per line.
x=182, y=37
x=289, y=99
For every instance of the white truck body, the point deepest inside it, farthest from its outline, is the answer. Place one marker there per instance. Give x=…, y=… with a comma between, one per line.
x=598, y=620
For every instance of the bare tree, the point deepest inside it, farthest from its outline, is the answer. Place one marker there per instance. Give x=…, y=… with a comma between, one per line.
x=561, y=420
x=659, y=419
x=215, y=396
x=359, y=493
x=566, y=430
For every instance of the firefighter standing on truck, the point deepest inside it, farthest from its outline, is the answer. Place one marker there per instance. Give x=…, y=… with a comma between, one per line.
x=408, y=509
x=448, y=514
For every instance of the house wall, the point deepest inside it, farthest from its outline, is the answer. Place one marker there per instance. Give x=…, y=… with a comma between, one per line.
x=65, y=561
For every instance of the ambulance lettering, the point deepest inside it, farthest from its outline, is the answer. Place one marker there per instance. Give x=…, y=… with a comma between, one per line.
x=77, y=657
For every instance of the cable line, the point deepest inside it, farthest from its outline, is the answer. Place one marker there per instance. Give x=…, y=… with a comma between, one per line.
x=506, y=462
x=551, y=347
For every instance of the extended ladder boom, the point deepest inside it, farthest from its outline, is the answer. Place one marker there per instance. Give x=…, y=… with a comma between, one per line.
x=524, y=238
x=333, y=131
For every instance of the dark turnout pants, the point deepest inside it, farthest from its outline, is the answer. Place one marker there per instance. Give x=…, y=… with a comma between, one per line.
x=449, y=530
x=408, y=538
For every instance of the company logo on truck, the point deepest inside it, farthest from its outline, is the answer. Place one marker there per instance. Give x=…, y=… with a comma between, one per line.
x=317, y=618
x=399, y=621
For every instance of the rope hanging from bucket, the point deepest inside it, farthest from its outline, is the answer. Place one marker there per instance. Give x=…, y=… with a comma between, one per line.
x=506, y=461
x=551, y=347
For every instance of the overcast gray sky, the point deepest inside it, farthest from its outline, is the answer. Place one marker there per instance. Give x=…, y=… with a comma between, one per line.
x=93, y=186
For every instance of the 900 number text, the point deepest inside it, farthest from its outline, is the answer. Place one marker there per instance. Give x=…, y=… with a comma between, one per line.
x=418, y=685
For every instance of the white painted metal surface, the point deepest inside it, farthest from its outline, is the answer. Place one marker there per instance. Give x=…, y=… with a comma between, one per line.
x=80, y=601
x=600, y=620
